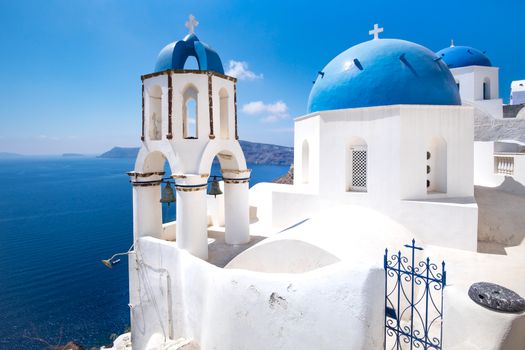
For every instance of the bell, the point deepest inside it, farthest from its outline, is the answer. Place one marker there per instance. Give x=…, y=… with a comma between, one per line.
x=215, y=188
x=167, y=194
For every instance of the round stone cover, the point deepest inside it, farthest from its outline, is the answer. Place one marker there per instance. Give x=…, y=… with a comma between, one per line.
x=496, y=297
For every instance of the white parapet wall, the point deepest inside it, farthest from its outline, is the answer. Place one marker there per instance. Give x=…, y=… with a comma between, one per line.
x=448, y=223
x=334, y=307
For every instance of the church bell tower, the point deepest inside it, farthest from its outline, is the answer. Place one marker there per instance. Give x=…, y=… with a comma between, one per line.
x=189, y=117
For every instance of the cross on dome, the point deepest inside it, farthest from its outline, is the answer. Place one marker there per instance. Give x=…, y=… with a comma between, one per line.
x=375, y=32
x=191, y=24
x=452, y=43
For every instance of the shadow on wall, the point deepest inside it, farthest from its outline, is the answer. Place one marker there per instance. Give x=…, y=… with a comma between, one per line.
x=500, y=214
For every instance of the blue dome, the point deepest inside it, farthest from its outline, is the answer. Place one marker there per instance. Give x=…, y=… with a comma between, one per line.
x=174, y=55
x=463, y=56
x=383, y=72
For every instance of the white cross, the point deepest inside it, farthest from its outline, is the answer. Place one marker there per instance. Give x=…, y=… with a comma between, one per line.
x=375, y=32
x=191, y=24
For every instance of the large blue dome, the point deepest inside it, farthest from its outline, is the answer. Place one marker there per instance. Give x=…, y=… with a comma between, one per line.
x=383, y=72
x=463, y=56
x=174, y=55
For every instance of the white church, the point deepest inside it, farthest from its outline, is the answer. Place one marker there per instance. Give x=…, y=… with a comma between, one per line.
x=388, y=152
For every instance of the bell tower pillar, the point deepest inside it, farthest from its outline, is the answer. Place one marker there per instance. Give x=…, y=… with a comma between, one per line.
x=147, y=210
x=236, y=206
x=192, y=218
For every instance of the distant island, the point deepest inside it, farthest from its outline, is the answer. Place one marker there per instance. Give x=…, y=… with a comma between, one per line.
x=4, y=155
x=255, y=153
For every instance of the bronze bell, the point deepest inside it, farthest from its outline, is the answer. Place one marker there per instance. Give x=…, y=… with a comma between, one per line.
x=215, y=188
x=167, y=194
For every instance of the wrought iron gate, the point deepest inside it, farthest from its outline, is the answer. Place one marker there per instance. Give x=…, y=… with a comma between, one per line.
x=413, y=301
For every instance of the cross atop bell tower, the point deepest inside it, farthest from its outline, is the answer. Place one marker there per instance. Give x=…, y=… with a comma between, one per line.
x=191, y=24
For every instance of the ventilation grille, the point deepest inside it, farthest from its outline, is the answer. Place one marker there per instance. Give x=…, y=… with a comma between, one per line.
x=359, y=170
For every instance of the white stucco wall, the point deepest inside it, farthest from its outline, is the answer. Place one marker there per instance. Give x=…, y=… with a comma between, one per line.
x=318, y=285
x=471, y=80
x=517, y=92
x=485, y=173
x=397, y=140
x=307, y=131
x=186, y=155
x=330, y=308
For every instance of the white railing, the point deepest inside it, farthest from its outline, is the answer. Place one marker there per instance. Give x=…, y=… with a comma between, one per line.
x=504, y=165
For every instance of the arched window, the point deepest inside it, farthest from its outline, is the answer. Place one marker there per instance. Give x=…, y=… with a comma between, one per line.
x=357, y=165
x=436, y=168
x=457, y=84
x=486, y=89
x=224, y=120
x=155, y=113
x=305, y=164
x=190, y=126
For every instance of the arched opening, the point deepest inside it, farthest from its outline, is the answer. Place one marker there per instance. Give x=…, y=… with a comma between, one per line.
x=228, y=199
x=155, y=113
x=357, y=165
x=486, y=89
x=190, y=126
x=153, y=214
x=215, y=195
x=457, y=84
x=156, y=162
x=305, y=162
x=191, y=63
x=436, y=168
x=224, y=120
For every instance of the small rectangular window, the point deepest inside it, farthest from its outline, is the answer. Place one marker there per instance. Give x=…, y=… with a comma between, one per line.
x=359, y=170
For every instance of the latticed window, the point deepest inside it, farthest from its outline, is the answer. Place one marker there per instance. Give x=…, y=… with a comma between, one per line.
x=359, y=169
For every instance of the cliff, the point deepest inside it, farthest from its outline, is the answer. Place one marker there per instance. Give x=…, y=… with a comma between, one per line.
x=255, y=153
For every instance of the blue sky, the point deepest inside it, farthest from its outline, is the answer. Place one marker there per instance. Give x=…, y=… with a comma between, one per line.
x=70, y=70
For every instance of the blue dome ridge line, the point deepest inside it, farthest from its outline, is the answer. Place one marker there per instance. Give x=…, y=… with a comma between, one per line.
x=174, y=55
x=390, y=72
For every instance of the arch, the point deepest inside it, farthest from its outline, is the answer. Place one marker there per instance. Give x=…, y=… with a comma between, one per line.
x=305, y=162
x=356, y=165
x=235, y=201
x=155, y=160
x=486, y=89
x=151, y=210
x=155, y=113
x=224, y=114
x=436, y=168
x=230, y=157
x=190, y=112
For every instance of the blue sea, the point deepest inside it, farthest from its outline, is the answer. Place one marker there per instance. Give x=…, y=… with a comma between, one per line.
x=58, y=218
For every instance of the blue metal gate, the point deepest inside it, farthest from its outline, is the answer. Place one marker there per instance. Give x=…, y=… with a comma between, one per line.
x=413, y=301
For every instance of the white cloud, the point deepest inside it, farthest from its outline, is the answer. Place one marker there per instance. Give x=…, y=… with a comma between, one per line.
x=254, y=107
x=239, y=70
x=269, y=112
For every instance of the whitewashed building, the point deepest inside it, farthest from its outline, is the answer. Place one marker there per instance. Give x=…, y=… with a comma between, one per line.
x=384, y=155
x=517, y=92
